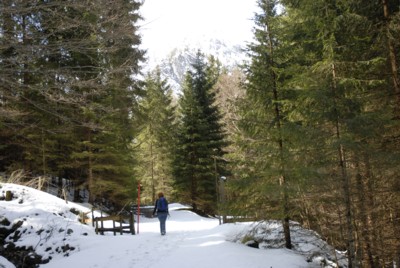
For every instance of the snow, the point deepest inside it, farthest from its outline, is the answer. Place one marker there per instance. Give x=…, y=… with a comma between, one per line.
x=49, y=226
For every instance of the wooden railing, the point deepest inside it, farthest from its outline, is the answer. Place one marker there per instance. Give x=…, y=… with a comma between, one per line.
x=118, y=224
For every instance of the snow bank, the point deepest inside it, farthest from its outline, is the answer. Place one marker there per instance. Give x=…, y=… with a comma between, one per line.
x=51, y=227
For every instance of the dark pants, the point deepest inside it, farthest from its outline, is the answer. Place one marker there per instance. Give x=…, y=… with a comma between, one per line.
x=162, y=217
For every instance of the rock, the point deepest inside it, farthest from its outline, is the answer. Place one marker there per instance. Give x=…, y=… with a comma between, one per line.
x=252, y=244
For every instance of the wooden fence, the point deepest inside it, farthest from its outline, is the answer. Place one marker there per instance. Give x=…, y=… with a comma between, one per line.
x=118, y=221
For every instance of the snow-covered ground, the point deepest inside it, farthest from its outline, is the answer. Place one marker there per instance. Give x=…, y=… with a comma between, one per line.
x=53, y=231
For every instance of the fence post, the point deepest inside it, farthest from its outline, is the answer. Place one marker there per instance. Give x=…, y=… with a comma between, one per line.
x=132, y=222
x=8, y=195
x=93, y=216
x=97, y=226
x=120, y=224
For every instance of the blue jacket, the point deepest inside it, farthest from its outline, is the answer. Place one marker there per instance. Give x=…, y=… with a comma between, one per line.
x=156, y=207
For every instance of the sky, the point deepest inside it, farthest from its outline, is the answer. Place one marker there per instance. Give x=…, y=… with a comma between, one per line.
x=191, y=240
x=170, y=23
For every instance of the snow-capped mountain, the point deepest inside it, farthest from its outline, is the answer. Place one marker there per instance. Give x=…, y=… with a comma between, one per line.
x=173, y=31
x=175, y=65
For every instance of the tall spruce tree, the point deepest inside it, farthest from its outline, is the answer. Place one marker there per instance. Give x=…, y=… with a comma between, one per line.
x=157, y=138
x=103, y=141
x=341, y=98
x=269, y=163
x=68, y=71
x=198, y=162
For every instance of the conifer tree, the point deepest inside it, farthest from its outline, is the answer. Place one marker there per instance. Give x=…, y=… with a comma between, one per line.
x=198, y=161
x=70, y=76
x=340, y=100
x=104, y=139
x=157, y=138
x=268, y=159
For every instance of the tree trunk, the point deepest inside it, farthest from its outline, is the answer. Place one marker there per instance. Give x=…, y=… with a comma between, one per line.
x=153, y=183
x=365, y=235
x=283, y=182
x=345, y=181
x=90, y=173
x=43, y=153
x=392, y=53
x=371, y=220
x=283, y=178
x=286, y=220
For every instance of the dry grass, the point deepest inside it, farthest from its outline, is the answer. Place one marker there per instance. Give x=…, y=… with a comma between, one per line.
x=22, y=178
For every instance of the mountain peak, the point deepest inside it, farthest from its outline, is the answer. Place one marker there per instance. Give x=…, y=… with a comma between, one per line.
x=177, y=62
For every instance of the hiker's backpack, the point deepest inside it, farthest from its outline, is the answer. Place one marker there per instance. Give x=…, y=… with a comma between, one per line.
x=162, y=204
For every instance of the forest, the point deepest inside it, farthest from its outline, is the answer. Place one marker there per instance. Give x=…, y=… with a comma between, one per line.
x=306, y=130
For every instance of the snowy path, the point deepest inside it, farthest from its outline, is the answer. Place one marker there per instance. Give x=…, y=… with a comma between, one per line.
x=191, y=241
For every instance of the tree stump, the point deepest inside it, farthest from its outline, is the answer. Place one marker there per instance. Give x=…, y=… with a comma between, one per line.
x=8, y=195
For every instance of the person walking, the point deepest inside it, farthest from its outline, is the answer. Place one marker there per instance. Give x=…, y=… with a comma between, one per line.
x=161, y=210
